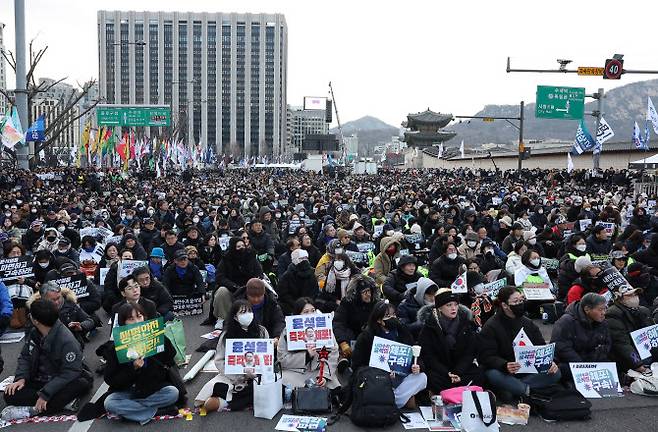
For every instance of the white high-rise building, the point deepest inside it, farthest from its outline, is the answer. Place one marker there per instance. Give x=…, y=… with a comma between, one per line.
x=4, y=103
x=305, y=122
x=223, y=74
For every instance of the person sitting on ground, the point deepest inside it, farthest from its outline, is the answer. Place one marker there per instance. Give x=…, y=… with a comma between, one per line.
x=297, y=281
x=581, y=334
x=385, y=259
x=226, y=390
x=567, y=271
x=402, y=279
x=300, y=366
x=334, y=275
x=497, y=341
x=448, y=340
x=284, y=260
x=513, y=262
x=153, y=290
x=131, y=293
x=50, y=373
x=599, y=243
x=415, y=299
x=90, y=301
x=139, y=389
x=590, y=281
x=383, y=323
x=447, y=267
x=64, y=249
x=111, y=295
x=183, y=278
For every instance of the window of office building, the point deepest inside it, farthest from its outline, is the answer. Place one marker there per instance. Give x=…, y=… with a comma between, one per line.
x=255, y=87
x=197, y=104
x=139, y=62
x=211, y=131
x=153, y=62
x=182, y=64
x=110, y=62
x=239, y=86
x=269, y=85
x=226, y=87
x=168, y=61
x=125, y=63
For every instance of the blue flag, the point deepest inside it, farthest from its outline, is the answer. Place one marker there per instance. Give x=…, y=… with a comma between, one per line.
x=583, y=141
x=37, y=132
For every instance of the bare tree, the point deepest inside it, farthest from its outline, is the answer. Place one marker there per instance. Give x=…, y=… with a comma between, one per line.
x=65, y=106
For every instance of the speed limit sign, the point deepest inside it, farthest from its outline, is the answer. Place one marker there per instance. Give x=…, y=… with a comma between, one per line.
x=613, y=69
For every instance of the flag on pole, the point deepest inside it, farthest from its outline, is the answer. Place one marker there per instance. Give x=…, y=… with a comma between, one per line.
x=461, y=149
x=9, y=135
x=459, y=285
x=16, y=122
x=583, y=141
x=637, y=137
x=440, y=150
x=37, y=131
x=652, y=115
x=603, y=134
x=569, y=163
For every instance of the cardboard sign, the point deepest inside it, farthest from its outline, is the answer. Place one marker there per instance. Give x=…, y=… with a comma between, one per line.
x=534, y=359
x=114, y=239
x=223, y=242
x=127, y=267
x=12, y=268
x=309, y=332
x=414, y=238
x=491, y=289
x=295, y=423
x=255, y=356
x=378, y=230
x=609, y=227
x=537, y=292
x=76, y=283
x=391, y=356
x=550, y=263
x=365, y=247
x=596, y=380
x=293, y=224
x=583, y=224
x=358, y=258
x=188, y=305
x=645, y=339
x=613, y=279
x=139, y=340
x=599, y=259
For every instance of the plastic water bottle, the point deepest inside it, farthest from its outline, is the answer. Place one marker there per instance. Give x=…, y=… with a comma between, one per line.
x=437, y=408
x=287, y=393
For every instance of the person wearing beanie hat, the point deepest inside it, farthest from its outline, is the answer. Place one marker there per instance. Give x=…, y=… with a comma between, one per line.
x=182, y=277
x=414, y=299
x=346, y=240
x=448, y=340
x=130, y=242
x=488, y=259
x=64, y=249
x=297, y=281
x=470, y=247
x=401, y=280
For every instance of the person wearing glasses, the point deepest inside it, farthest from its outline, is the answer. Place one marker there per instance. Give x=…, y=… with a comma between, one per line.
x=132, y=293
x=153, y=290
x=581, y=334
x=499, y=336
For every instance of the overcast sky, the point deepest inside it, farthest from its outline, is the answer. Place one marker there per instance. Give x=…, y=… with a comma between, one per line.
x=389, y=58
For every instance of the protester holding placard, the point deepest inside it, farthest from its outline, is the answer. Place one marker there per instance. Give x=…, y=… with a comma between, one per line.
x=111, y=293
x=21, y=288
x=302, y=365
x=590, y=281
x=532, y=271
x=497, y=342
x=449, y=343
x=383, y=323
x=228, y=390
x=141, y=388
x=581, y=334
x=623, y=317
x=86, y=292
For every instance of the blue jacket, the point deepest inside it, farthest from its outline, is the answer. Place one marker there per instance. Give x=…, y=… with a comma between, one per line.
x=6, y=306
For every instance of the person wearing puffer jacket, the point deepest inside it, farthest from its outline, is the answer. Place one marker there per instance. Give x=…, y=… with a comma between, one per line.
x=415, y=298
x=50, y=240
x=389, y=248
x=401, y=280
x=448, y=339
x=514, y=258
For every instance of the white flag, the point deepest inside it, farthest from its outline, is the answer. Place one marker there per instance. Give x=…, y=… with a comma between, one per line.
x=604, y=132
x=461, y=149
x=637, y=138
x=569, y=163
x=652, y=115
x=440, y=150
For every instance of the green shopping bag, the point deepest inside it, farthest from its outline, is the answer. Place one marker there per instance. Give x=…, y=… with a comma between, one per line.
x=175, y=332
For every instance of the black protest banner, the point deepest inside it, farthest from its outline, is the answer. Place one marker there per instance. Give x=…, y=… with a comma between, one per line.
x=188, y=305
x=12, y=268
x=76, y=283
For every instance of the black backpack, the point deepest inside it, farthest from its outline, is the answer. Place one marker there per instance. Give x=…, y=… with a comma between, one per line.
x=557, y=403
x=372, y=400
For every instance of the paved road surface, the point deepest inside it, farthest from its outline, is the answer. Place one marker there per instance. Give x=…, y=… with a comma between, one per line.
x=630, y=413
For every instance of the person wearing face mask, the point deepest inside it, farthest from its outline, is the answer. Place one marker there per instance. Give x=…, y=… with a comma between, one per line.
x=487, y=260
x=224, y=391
x=447, y=267
x=64, y=249
x=44, y=261
x=50, y=240
x=416, y=298
x=623, y=317
x=448, y=339
x=385, y=259
x=69, y=233
x=297, y=281
x=531, y=271
x=300, y=366
x=567, y=273
x=333, y=278
x=497, y=340
x=33, y=235
x=590, y=280
x=383, y=323
x=470, y=247
x=538, y=219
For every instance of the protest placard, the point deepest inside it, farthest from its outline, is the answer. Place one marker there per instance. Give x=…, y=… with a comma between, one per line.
x=223, y=242
x=414, y=238
x=491, y=289
x=365, y=247
x=645, y=339
x=139, y=340
x=537, y=291
x=609, y=227
x=127, y=267
x=613, y=279
x=102, y=275
x=534, y=359
x=583, y=224
x=255, y=356
x=294, y=423
x=12, y=268
x=309, y=332
x=293, y=225
x=599, y=259
x=89, y=231
x=114, y=239
x=357, y=258
x=188, y=305
x=391, y=356
x=104, y=233
x=596, y=380
x=76, y=283
x=550, y=263
x=378, y=230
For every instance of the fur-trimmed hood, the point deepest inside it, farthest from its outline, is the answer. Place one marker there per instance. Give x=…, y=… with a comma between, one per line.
x=356, y=286
x=68, y=294
x=427, y=317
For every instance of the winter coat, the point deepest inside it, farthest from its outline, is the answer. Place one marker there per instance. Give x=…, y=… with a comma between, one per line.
x=649, y=256
x=298, y=281
x=383, y=264
x=190, y=283
x=578, y=339
x=363, y=346
x=513, y=263
x=235, y=270
x=444, y=271
x=150, y=311
x=352, y=314
x=397, y=284
x=497, y=337
x=6, y=306
x=282, y=263
x=566, y=274
x=148, y=238
x=597, y=247
x=297, y=368
x=70, y=312
x=262, y=243
x=435, y=354
x=508, y=243
x=71, y=254
x=413, y=301
x=621, y=322
x=158, y=294
x=580, y=288
x=90, y=303
x=145, y=381
x=269, y=315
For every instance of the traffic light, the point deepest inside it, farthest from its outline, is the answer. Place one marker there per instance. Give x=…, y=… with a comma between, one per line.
x=614, y=67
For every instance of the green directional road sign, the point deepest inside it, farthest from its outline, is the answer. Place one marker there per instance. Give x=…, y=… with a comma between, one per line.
x=566, y=103
x=133, y=115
